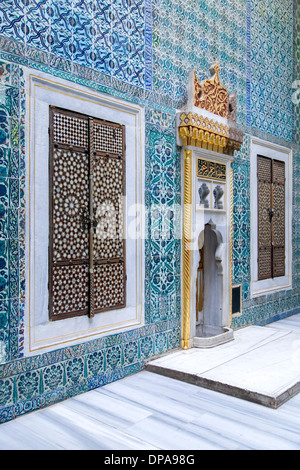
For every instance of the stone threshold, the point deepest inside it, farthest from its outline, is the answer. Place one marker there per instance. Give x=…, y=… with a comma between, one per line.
x=261, y=365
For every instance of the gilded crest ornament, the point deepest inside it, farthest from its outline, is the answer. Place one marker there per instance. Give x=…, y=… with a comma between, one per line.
x=211, y=95
x=208, y=119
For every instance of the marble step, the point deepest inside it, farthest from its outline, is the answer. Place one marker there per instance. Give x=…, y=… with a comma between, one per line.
x=261, y=364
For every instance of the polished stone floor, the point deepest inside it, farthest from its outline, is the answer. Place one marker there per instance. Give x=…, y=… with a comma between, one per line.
x=147, y=411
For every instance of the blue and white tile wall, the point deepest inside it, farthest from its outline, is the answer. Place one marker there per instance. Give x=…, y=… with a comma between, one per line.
x=103, y=35
x=142, y=51
x=271, y=67
x=193, y=35
x=12, y=178
x=297, y=72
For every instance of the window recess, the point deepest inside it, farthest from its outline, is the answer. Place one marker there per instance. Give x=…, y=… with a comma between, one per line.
x=87, y=258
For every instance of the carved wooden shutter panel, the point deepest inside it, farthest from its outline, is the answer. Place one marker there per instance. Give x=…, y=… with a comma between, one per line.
x=87, y=179
x=278, y=220
x=264, y=185
x=108, y=197
x=271, y=217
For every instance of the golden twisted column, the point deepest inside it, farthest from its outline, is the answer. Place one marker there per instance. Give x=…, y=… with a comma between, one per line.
x=186, y=247
x=231, y=240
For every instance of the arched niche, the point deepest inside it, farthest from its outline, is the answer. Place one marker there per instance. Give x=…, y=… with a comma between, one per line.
x=209, y=282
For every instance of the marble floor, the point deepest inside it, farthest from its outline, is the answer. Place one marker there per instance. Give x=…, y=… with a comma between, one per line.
x=147, y=411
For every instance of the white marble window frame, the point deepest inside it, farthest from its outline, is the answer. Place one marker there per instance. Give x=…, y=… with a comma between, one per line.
x=41, y=334
x=268, y=149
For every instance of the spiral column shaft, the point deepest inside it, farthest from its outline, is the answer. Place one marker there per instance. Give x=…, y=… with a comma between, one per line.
x=186, y=247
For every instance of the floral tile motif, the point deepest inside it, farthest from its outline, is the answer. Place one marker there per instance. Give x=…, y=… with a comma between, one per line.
x=146, y=347
x=74, y=371
x=53, y=377
x=271, y=67
x=163, y=222
x=4, y=270
x=161, y=343
x=12, y=19
x=113, y=37
x=12, y=109
x=6, y=395
x=28, y=385
x=193, y=35
x=241, y=223
x=114, y=357
x=95, y=364
x=5, y=73
x=38, y=24
x=130, y=351
x=297, y=70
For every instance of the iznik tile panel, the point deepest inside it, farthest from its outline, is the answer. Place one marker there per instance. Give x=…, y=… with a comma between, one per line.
x=270, y=66
x=12, y=178
x=194, y=35
x=141, y=51
x=108, y=36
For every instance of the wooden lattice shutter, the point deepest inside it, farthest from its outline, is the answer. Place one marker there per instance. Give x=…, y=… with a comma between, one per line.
x=108, y=197
x=87, y=184
x=278, y=220
x=271, y=217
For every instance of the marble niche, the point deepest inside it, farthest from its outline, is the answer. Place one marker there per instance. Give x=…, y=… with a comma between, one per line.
x=208, y=135
x=211, y=254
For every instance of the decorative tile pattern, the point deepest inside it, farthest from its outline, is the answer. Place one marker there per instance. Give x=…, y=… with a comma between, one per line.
x=271, y=27
x=141, y=51
x=12, y=234
x=243, y=37
x=241, y=223
x=163, y=206
x=296, y=72
x=112, y=37
x=241, y=215
x=39, y=381
x=194, y=35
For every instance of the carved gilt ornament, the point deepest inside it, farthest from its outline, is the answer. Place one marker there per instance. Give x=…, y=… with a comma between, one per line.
x=211, y=95
x=209, y=119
